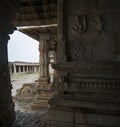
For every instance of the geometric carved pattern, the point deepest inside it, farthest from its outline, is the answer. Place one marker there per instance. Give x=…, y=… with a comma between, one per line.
x=77, y=84
x=68, y=81
x=79, y=50
x=97, y=83
x=87, y=67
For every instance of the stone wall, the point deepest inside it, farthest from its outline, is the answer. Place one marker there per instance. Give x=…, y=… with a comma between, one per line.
x=87, y=81
x=7, y=115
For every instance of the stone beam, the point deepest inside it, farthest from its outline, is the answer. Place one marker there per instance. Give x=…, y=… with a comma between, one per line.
x=35, y=22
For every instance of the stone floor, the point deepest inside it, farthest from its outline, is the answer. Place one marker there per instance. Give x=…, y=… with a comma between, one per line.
x=25, y=117
x=28, y=119
x=18, y=80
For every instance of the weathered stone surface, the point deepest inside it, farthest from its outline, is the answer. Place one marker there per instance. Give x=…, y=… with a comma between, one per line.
x=34, y=94
x=6, y=105
x=87, y=80
x=27, y=119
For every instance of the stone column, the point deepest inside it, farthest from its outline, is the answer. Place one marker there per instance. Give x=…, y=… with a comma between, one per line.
x=10, y=69
x=27, y=68
x=14, y=68
x=44, y=59
x=7, y=115
x=23, y=68
x=6, y=104
x=35, y=68
x=44, y=92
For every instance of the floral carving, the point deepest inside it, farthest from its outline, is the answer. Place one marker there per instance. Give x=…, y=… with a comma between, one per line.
x=53, y=42
x=79, y=50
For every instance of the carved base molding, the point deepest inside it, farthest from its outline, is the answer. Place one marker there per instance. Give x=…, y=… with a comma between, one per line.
x=79, y=118
x=73, y=66
x=7, y=117
x=87, y=96
x=84, y=108
x=41, y=100
x=44, y=93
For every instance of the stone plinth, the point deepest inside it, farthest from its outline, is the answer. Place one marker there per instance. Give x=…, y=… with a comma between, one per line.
x=44, y=93
x=35, y=94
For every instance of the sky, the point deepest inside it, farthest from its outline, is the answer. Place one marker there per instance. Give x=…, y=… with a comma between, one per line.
x=22, y=48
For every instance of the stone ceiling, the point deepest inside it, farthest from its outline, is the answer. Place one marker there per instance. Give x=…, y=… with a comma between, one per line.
x=36, y=12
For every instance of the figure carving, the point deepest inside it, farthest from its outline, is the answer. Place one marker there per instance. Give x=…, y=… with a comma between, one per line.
x=53, y=42
x=80, y=24
x=100, y=24
x=79, y=50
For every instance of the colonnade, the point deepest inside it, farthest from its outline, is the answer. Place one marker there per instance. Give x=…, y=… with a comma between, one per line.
x=19, y=67
x=47, y=57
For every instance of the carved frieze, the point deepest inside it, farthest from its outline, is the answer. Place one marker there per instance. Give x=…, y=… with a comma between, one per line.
x=73, y=76
x=53, y=42
x=85, y=31
x=77, y=84
x=79, y=50
x=80, y=24
x=87, y=67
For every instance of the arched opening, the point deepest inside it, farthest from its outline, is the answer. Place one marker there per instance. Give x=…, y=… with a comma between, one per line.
x=23, y=56
x=44, y=78
x=33, y=96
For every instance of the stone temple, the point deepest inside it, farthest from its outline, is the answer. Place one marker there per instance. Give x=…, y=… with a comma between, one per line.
x=83, y=39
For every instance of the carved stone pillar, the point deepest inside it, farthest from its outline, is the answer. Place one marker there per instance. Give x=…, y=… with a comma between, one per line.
x=43, y=88
x=44, y=59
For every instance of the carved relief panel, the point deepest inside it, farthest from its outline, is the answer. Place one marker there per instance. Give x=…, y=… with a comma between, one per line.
x=91, y=32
